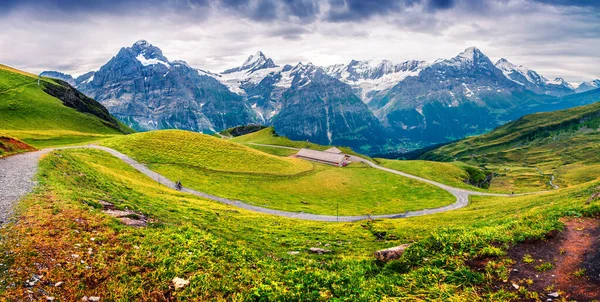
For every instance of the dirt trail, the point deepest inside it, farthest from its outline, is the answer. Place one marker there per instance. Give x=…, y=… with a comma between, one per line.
x=579, y=248
x=574, y=255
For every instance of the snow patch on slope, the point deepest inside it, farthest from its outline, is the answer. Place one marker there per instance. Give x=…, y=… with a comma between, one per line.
x=235, y=80
x=147, y=62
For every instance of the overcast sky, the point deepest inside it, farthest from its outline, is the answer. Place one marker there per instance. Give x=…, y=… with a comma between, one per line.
x=553, y=37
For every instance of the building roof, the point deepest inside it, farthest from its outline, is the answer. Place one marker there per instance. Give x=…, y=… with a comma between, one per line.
x=333, y=150
x=322, y=156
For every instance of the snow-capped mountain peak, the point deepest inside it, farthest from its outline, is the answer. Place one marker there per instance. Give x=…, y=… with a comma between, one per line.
x=148, y=54
x=180, y=63
x=471, y=58
x=520, y=74
x=254, y=62
x=560, y=82
x=256, y=58
x=141, y=43
x=504, y=65
x=587, y=86
x=533, y=81
x=470, y=53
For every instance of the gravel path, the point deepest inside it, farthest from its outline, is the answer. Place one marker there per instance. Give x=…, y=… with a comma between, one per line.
x=17, y=173
x=16, y=179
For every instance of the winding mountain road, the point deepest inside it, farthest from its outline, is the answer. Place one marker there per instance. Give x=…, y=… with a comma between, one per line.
x=17, y=174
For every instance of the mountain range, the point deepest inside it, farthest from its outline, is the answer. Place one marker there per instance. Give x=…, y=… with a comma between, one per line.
x=369, y=105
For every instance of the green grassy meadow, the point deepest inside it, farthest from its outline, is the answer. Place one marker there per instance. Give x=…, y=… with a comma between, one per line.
x=233, y=254
x=231, y=170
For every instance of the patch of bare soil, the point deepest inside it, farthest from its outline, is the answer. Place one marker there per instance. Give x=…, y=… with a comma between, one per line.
x=9, y=144
x=128, y=217
x=566, y=265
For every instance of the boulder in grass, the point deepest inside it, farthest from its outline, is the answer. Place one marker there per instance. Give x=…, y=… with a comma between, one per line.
x=391, y=253
x=180, y=283
x=316, y=250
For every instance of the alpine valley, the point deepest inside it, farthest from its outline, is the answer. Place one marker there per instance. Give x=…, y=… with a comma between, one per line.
x=371, y=106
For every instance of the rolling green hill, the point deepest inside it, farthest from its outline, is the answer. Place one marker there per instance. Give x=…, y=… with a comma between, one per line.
x=49, y=112
x=455, y=174
x=228, y=169
x=555, y=143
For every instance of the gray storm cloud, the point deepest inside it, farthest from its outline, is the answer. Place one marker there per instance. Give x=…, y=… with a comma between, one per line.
x=557, y=38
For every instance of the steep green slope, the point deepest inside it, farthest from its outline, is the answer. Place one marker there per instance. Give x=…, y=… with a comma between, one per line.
x=45, y=112
x=558, y=143
x=228, y=169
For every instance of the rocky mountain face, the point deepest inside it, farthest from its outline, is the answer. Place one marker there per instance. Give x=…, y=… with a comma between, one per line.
x=303, y=102
x=260, y=82
x=321, y=109
x=145, y=90
x=453, y=98
x=368, y=78
x=369, y=105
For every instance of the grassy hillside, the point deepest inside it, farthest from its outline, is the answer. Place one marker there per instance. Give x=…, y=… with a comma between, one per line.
x=454, y=174
x=29, y=112
x=10, y=145
x=555, y=143
x=451, y=174
x=232, y=170
x=232, y=254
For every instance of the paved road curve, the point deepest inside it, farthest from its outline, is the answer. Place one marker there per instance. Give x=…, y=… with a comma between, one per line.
x=17, y=173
